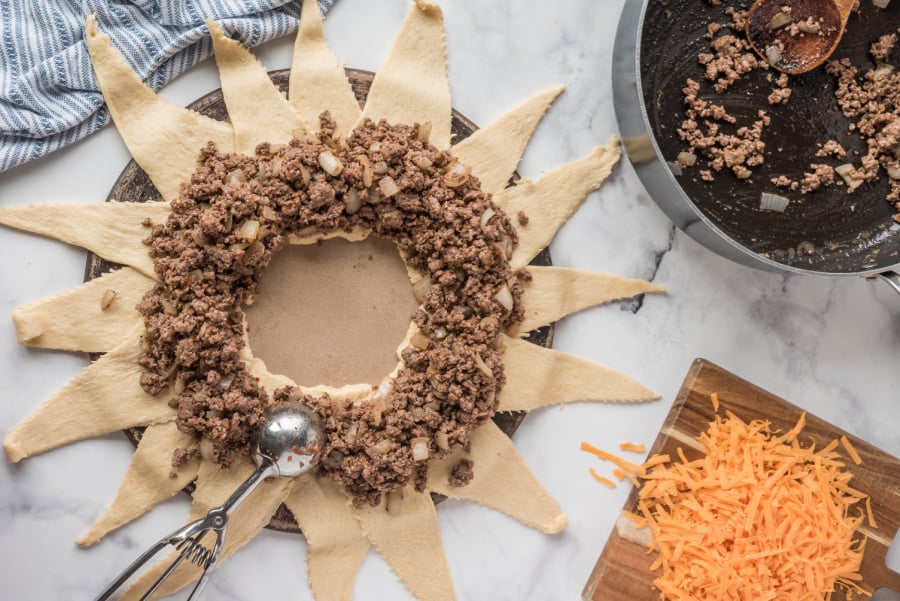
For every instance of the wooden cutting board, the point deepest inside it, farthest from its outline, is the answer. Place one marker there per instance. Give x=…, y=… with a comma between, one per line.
x=623, y=571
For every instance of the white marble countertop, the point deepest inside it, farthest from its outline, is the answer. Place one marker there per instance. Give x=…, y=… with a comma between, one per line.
x=831, y=346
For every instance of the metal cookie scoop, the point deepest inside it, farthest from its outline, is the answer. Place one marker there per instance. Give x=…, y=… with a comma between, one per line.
x=288, y=443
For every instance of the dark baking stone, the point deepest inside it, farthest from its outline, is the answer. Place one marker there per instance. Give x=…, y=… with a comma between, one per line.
x=844, y=240
x=133, y=185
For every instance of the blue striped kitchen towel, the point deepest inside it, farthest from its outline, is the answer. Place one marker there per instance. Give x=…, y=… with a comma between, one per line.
x=48, y=94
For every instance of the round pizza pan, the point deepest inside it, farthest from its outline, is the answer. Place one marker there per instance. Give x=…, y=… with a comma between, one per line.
x=133, y=185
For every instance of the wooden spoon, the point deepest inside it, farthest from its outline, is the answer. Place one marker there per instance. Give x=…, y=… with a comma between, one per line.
x=796, y=36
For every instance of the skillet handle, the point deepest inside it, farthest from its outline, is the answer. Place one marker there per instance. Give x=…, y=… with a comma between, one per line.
x=891, y=278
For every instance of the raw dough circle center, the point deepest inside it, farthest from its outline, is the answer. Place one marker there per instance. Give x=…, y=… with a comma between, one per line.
x=332, y=313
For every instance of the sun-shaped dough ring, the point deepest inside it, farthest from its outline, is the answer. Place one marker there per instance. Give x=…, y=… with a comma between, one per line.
x=133, y=186
x=238, y=210
x=411, y=87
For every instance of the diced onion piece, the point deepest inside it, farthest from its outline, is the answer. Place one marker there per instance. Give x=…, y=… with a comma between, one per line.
x=883, y=70
x=807, y=27
x=254, y=251
x=675, y=168
x=367, y=170
x=687, y=159
x=378, y=406
x=424, y=132
x=773, y=55
x=168, y=307
x=235, y=177
x=419, y=446
x=226, y=382
x=419, y=340
x=880, y=3
x=893, y=171
x=207, y=450
x=276, y=165
x=352, y=202
x=305, y=175
x=379, y=448
x=779, y=20
x=441, y=440
x=384, y=389
x=422, y=162
x=334, y=459
x=106, y=300
x=421, y=288
x=440, y=333
x=388, y=186
x=380, y=168
x=330, y=163
x=773, y=202
x=504, y=297
x=269, y=213
x=846, y=171
x=375, y=147
x=483, y=367
x=457, y=175
x=486, y=216
x=250, y=229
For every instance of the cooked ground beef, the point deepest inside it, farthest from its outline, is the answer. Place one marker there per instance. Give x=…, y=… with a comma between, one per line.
x=821, y=175
x=731, y=58
x=780, y=96
x=462, y=473
x=832, y=147
x=708, y=128
x=881, y=49
x=871, y=101
x=238, y=210
x=703, y=132
x=522, y=217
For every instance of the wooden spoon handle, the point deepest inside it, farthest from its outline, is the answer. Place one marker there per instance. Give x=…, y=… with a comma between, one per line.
x=845, y=7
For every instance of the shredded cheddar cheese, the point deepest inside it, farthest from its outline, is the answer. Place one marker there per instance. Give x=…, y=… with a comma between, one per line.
x=851, y=450
x=634, y=448
x=627, y=466
x=757, y=518
x=601, y=479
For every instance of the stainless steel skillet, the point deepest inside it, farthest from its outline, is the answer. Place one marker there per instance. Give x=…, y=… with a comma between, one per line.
x=828, y=232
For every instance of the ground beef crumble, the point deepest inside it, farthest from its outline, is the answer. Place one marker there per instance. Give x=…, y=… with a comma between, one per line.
x=709, y=129
x=462, y=473
x=871, y=101
x=237, y=211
